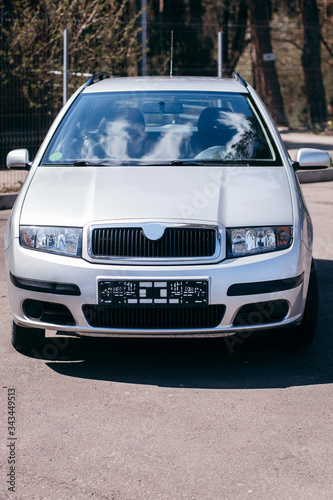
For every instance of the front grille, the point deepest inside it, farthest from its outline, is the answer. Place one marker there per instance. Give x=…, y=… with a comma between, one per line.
x=175, y=243
x=154, y=317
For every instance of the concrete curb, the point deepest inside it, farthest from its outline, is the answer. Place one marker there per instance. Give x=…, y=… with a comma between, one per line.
x=305, y=176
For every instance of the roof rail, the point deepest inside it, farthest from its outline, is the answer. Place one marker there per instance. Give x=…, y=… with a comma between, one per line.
x=97, y=78
x=241, y=80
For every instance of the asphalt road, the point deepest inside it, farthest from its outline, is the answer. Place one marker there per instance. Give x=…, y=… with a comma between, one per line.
x=173, y=419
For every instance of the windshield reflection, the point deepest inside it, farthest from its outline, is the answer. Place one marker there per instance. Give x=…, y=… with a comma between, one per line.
x=160, y=128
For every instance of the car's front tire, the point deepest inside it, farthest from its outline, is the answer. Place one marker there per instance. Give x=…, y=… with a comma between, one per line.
x=26, y=340
x=301, y=336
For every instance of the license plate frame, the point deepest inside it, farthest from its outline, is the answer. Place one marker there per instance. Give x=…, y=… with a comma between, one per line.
x=153, y=293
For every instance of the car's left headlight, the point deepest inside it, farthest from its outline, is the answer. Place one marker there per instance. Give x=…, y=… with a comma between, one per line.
x=253, y=240
x=59, y=240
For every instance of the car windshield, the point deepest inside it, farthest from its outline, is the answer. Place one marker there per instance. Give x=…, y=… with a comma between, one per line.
x=153, y=128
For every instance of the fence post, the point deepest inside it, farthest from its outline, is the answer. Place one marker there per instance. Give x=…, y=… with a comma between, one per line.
x=220, y=53
x=65, y=70
x=144, y=37
x=171, y=55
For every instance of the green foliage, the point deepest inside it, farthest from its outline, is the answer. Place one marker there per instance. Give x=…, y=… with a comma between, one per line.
x=102, y=36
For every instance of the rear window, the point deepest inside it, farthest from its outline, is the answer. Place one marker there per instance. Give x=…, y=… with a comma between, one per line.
x=161, y=128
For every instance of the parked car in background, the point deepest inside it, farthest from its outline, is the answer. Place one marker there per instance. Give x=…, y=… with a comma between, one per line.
x=162, y=207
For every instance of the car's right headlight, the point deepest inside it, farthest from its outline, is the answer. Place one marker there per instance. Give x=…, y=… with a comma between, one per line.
x=60, y=240
x=254, y=240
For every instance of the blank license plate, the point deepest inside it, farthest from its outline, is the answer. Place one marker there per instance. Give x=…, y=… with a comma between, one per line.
x=153, y=293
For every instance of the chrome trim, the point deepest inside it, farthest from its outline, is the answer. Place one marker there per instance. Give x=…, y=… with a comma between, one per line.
x=88, y=331
x=219, y=255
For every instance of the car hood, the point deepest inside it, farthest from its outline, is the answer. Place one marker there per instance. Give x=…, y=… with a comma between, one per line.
x=232, y=196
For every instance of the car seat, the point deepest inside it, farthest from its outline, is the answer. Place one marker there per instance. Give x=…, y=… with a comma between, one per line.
x=212, y=131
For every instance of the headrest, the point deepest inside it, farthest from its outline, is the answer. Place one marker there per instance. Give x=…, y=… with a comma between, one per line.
x=210, y=119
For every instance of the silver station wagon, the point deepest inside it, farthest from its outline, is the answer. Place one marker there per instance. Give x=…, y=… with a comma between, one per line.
x=162, y=207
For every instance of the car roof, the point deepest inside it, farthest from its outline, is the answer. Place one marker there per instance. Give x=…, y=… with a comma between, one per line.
x=165, y=83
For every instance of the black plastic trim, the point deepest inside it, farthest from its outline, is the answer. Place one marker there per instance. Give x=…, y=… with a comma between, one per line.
x=264, y=286
x=45, y=286
x=97, y=78
x=154, y=318
x=262, y=313
x=50, y=312
x=237, y=76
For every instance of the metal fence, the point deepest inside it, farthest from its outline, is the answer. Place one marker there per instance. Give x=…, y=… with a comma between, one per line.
x=194, y=47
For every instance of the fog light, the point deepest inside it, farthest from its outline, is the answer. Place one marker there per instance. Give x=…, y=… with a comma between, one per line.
x=33, y=309
x=261, y=313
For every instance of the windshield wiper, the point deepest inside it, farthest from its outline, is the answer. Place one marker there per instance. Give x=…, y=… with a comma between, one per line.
x=126, y=163
x=243, y=163
x=152, y=163
x=186, y=162
x=84, y=163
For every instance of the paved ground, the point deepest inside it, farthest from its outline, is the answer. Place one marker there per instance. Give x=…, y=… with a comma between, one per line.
x=295, y=140
x=174, y=420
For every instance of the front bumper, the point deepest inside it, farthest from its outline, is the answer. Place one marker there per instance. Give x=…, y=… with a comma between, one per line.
x=252, y=293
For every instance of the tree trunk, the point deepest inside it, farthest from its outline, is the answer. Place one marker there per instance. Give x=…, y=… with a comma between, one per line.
x=311, y=62
x=265, y=77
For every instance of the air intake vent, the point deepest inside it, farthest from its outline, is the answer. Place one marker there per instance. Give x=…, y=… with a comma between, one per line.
x=154, y=317
x=175, y=243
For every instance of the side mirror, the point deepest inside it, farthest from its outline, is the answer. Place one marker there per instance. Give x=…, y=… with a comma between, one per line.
x=18, y=159
x=311, y=159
